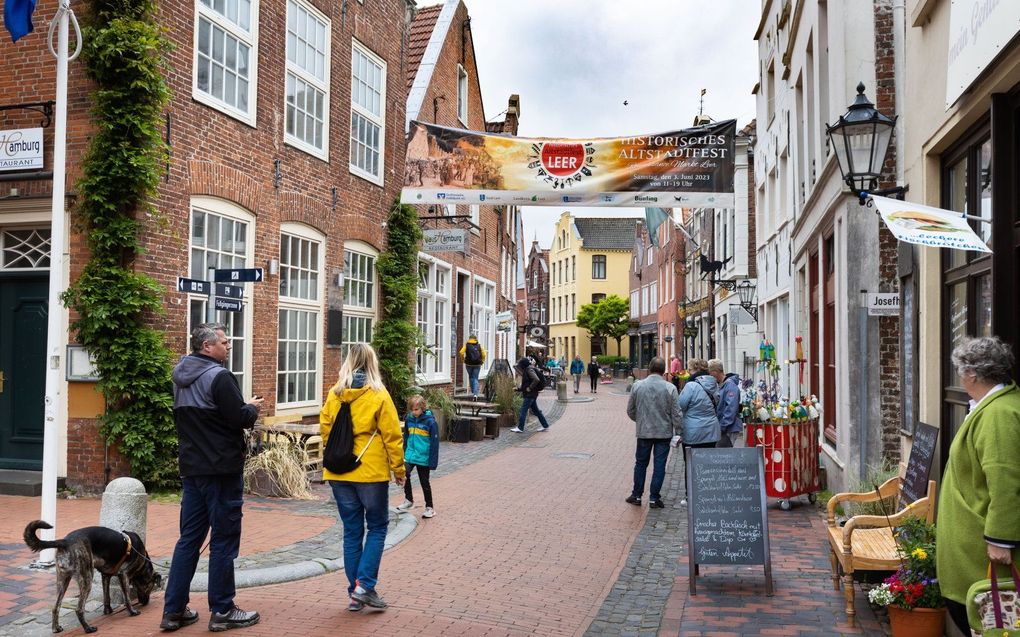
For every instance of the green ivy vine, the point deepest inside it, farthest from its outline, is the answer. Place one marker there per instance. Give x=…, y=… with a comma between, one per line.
x=124, y=53
x=396, y=332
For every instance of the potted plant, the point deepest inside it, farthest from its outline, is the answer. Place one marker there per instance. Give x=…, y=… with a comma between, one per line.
x=506, y=398
x=277, y=471
x=442, y=407
x=912, y=594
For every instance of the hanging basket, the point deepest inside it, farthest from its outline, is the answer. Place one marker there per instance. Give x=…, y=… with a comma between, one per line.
x=918, y=622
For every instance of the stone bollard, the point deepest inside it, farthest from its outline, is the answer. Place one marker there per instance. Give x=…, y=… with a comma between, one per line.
x=124, y=508
x=561, y=391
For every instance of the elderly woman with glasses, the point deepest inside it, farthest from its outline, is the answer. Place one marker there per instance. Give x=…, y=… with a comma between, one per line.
x=979, y=507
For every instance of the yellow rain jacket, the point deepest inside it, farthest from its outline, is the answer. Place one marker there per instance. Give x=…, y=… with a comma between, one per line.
x=370, y=408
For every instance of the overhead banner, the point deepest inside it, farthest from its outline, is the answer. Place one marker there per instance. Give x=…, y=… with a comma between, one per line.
x=691, y=167
x=927, y=226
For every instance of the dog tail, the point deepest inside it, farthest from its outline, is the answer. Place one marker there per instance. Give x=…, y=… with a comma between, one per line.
x=33, y=541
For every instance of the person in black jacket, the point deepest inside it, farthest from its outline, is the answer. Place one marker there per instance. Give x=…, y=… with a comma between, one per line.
x=531, y=384
x=211, y=416
x=594, y=371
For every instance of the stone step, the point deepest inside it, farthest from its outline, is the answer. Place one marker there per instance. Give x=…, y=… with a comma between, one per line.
x=21, y=482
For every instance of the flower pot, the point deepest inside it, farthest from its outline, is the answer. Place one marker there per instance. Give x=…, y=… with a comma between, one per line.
x=918, y=622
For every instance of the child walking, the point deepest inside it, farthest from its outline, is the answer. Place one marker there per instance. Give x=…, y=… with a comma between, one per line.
x=421, y=451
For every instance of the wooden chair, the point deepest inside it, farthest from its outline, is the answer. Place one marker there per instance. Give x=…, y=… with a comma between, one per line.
x=865, y=542
x=313, y=462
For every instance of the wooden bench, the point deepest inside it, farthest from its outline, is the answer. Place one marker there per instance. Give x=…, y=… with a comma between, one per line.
x=865, y=542
x=289, y=429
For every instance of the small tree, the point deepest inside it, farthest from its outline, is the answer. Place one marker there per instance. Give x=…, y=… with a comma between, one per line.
x=606, y=317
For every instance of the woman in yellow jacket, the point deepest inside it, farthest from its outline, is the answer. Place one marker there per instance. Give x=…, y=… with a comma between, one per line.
x=362, y=494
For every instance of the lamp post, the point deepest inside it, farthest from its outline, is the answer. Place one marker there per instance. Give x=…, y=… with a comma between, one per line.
x=747, y=291
x=860, y=139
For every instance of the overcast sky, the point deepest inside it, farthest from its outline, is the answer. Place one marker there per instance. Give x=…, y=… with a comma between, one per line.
x=574, y=62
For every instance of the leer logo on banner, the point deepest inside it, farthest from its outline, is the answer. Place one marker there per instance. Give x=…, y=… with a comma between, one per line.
x=21, y=149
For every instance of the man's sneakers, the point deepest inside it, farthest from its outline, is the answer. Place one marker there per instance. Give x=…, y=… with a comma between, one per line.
x=406, y=505
x=233, y=618
x=173, y=621
x=517, y=430
x=634, y=499
x=368, y=597
x=429, y=512
x=683, y=502
x=656, y=504
x=355, y=606
x=546, y=428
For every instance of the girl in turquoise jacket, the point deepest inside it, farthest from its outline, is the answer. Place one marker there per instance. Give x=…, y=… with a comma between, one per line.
x=421, y=451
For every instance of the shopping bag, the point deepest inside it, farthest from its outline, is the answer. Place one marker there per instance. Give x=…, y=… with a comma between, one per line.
x=993, y=608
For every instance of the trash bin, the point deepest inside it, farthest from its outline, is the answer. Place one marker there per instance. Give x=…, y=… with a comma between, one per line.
x=791, y=452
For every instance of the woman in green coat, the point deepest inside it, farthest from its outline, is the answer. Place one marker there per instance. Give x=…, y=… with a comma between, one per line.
x=979, y=506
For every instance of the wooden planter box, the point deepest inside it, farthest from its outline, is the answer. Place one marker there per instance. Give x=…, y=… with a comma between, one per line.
x=477, y=430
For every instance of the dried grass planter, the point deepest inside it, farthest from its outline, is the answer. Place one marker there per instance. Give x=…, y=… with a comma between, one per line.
x=917, y=622
x=278, y=471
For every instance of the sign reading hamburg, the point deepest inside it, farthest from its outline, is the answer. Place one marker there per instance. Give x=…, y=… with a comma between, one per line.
x=694, y=166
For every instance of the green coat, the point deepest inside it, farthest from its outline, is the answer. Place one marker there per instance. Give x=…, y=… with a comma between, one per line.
x=980, y=495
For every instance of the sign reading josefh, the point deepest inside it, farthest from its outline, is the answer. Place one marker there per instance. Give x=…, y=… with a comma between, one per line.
x=21, y=149
x=445, y=240
x=884, y=304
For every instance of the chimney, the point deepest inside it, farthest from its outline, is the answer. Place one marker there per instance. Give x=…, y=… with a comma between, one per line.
x=513, y=112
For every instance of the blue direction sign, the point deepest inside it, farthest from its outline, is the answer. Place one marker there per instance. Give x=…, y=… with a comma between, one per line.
x=242, y=275
x=192, y=285
x=228, y=305
x=229, y=291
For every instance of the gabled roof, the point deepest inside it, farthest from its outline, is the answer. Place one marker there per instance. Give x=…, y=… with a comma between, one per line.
x=431, y=34
x=611, y=233
x=418, y=40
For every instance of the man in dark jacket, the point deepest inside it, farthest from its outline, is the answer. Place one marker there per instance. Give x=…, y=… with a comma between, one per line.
x=728, y=409
x=531, y=384
x=211, y=415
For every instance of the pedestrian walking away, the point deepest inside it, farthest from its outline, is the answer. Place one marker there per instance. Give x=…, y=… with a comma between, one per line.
x=655, y=411
x=728, y=409
x=361, y=494
x=594, y=371
x=531, y=385
x=577, y=370
x=211, y=416
x=698, y=401
x=421, y=452
x=473, y=355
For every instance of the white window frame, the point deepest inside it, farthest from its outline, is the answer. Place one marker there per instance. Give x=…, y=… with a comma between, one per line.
x=379, y=120
x=476, y=218
x=370, y=312
x=483, y=318
x=302, y=74
x=228, y=210
x=309, y=305
x=462, y=95
x=437, y=368
x=35, y=250
x=249, y=38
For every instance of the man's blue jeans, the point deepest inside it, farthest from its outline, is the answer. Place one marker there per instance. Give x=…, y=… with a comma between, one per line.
x=473, y=371
x=645, y=446
x=207, y=502
x=532, y=404
x=362, y=503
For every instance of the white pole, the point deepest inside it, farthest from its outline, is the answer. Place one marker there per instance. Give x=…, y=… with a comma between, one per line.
x=55, y=409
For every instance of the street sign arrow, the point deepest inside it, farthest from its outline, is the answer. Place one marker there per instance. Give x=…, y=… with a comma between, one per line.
x=228, y=305
x=192, y=285
x=245, y=274
x=229, y=291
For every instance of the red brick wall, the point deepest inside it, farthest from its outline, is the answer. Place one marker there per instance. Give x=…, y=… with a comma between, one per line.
x=87, y=457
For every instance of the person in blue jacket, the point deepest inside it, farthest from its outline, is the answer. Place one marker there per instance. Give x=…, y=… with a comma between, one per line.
x=698, y=401
x=728, y=410
x=576, y=370
x=421, y=451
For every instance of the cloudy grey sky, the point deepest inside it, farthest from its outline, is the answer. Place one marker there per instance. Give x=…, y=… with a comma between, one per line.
x=574, y=62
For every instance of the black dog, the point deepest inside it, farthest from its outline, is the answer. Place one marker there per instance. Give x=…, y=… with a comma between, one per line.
x=112, y=553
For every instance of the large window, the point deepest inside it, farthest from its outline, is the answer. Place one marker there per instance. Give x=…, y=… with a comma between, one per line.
x=433, y=319
x=220, y=239
x=598, y=266
x=300, y=310
x=225, y=43
x=307, y=84
x=462, y=95
x=483, y=312
x=368, y=113
x=359, y=294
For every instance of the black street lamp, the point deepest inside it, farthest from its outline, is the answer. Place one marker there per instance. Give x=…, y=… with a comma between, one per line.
x=747, y=291
x=860, y=139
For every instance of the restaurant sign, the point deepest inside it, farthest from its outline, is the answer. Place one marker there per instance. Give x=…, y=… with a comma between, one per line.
x=445, y=240
x=21, y=149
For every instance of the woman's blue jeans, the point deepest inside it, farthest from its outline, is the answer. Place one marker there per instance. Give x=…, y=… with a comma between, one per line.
x=362, y=504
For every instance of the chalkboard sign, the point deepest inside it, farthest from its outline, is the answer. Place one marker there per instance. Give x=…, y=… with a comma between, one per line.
x=914, y=485
x=727, y=520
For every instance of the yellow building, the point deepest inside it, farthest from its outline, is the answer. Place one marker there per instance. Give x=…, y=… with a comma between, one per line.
x=589, y=259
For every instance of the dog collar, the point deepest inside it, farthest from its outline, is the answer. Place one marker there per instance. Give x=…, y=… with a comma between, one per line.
x=127, y=551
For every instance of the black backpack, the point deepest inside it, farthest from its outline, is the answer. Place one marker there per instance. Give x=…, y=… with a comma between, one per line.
x=472, y=354
x=338, y=456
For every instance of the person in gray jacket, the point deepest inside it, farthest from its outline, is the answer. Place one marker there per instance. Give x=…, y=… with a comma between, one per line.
x=698, y=402
x=654, y=409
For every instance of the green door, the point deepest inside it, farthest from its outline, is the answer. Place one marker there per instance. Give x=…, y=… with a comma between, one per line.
x=23, y=303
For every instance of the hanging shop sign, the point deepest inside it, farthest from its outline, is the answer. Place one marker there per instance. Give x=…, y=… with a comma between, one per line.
x=21, y=149
x=505, y=321
x=979, y=31
x=444, y=240
x=927, y=226
x=690, y=167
